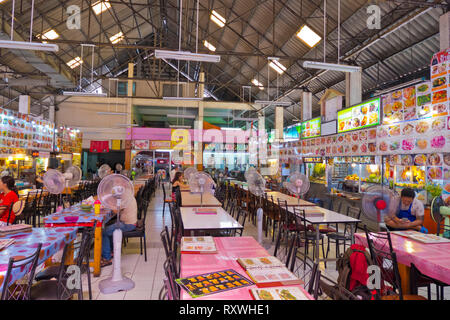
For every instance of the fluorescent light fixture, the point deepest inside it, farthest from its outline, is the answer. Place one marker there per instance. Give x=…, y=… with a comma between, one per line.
x=308, y=36
x=24, y=45
x=218, y=19
x=75, y=62
x=116, y=38
x=258, y=84
x=127, y=125
x=209, y=45
x=101, y=6
x=232, y=129
x=181, y=116
x=186, y=55
x=83, y=94
x=330, y=66
x=112, y=113
x=180, y=127
x=164, y=150
x=182, y=98
x=275, y=103
x=277, y=66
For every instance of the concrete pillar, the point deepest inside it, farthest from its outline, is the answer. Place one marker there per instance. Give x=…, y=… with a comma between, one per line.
x=444, y=31
x=51, y=113
x=262, y=140
x=306, y=105
x=198, y=138
x=279, y=122
x=201, y=86
x=24, y=104
x=130, y=82
x=353, y=88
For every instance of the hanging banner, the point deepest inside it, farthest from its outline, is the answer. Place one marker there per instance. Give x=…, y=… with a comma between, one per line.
x=99, y=146
x=116, y=144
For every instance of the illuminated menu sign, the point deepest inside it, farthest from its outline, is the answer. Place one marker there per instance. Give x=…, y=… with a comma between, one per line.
x=363, y=115
x=311, y=128
x=313, y=160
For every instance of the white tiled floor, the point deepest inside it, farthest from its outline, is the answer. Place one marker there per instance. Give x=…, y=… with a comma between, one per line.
x=148, y=276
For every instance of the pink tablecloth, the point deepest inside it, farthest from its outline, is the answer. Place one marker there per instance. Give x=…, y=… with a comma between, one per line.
x=229, y=249
x=431, y=259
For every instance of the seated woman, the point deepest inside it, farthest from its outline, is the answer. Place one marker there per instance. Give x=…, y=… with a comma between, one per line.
x=128, y=220
x=8, y=197
x=176, y=183
x=410, y=213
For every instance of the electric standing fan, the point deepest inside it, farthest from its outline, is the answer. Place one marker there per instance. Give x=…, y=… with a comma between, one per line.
x=188, y=172
x=119, y=168
x=249, y=170
x=201, y=182
x=104, y=170
x=439, y=212
x=55, y=182
x=257, y=186
x=379, y=202
x=298, y=184
x=116, y=192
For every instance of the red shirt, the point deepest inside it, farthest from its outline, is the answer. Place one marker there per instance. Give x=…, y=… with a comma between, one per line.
x=8, y=200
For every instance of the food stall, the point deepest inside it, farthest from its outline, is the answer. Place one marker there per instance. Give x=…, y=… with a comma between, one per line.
x=20, y=135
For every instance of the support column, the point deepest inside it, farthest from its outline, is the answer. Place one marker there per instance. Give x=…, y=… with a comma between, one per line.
x=130, y=82
x=306, y=106
x=198, y=138
x=262, y=140
x=444, y=31
x=353, y=88
x=24, y=104
x=201, y=86
x=51, y=113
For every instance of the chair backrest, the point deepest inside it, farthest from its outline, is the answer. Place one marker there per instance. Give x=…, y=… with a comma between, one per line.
x=165, y=241
x=284, y=247
x=354, y=212
x=241, y=218
x=382, y=254
x=20, y=291
x=171, y=275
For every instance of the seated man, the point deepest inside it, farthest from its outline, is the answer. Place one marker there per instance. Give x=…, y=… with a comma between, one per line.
x=128, y=220
x=410, y=213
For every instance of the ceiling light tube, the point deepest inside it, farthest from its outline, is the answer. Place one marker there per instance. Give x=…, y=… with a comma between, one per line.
x=277, y=66
x=218, y=19
x=331, y=66
x=186, y=55
x=180, y=127
x=24, y=45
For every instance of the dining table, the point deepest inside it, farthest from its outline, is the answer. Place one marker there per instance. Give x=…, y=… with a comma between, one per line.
x=318, y=216
x=229, y=249
x=189, y=199
x=431, y=259
x=194, y=222
x=76, y=217
x=25, y=244
x=291, y=201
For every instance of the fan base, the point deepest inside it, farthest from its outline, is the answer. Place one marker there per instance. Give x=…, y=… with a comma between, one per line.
x=109, y=286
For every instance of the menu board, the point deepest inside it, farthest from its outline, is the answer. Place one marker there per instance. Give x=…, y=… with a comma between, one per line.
x=363, y=115
x=213, y=282
x=311, y=128
x=20, y=132
x=69, y=140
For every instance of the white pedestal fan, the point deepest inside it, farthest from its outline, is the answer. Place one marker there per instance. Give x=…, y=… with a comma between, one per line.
x=257, y=186
x=115, y=192
x=298, y=184
x=379, y=202
x=104, y=170
x=201, y=182
x=188, y=172
x=55, y=182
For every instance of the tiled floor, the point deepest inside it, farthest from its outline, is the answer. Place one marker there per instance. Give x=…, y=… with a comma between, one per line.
x=148, y=276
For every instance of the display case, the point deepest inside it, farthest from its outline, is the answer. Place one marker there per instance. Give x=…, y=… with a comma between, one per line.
x=315, y=169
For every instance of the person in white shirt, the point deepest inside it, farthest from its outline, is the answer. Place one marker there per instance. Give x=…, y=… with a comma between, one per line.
x=410, y=213
x=173, y=172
